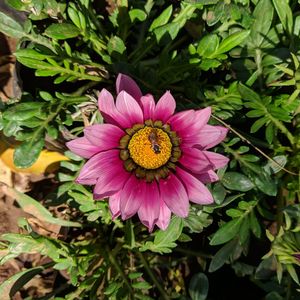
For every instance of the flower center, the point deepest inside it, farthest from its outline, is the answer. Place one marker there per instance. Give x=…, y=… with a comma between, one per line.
x=150, y=147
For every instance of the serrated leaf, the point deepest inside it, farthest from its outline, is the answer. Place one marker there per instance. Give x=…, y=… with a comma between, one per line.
x=164, y=241
x=23, y=111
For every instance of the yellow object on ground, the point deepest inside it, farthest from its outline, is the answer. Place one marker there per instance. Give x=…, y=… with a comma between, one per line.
x=47, y=162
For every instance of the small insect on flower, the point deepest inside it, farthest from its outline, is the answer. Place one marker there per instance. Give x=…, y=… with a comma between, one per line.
x=146, y=158
x=153, y=138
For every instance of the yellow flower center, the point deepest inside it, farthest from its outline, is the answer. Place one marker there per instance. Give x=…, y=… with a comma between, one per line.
x=150, y=147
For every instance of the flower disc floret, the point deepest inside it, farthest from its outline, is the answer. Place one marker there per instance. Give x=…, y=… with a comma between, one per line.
x=150, y=147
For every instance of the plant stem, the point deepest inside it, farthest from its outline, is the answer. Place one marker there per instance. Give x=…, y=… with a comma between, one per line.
x=116, y=265
x=282, y=128
x=152, y=276
x=256, y=148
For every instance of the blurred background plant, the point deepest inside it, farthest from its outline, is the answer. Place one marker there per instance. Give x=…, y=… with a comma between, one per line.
x=239, y=56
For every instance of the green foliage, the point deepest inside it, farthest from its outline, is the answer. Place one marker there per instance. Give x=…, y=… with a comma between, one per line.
x=239, y=57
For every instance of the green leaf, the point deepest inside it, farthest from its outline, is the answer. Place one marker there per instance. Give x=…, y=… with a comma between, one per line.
x=227, y=232
x=290, y=268
x=273, y=296
x=62, y=31
x=10, y=27
x=270, y=133
x=16, y=4
x=248, y=94
x=265, y=183
x=234, y=213
x=164, y=241
x=198, y=287
x=272, y=168
x=137, y=14
x=144, y=285
x=244, y=231
x=135, y=275
x=34, y=208
x=30, y=53
x=115, y=44
x=170, y=30
x=197, y=220
x=23, y=111
x=258, y=124
x=208, y=45
x=162, y=19
x=46, y=96
x=263, y=14
x=9, y=287
x=222, y=256
x=237, y=181
x=285, y=14
x=207, y=64
x=232, y=41
x=34, y=146
x=254, y=225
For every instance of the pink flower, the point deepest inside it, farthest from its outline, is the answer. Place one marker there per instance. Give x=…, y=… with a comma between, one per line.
x=148, y=159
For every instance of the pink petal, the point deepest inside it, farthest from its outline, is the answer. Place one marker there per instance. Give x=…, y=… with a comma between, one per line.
x=91, y=169
x=82, y=147
x=107, y=107
x=129, y=109
x=114, y=205
x=174, y=195
x=125, y=83
x=104, y=136
x=164, y=216
x=196, y=190
x=165, y=107
x=201, y=118
x=210, y=136
x=193, y=159
x=217, y=160
x=182, y=121
x=207, y=177
x=150, y=204
x=130, y=197
x=188, y=124
x=148, y=105
x=113, y=176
